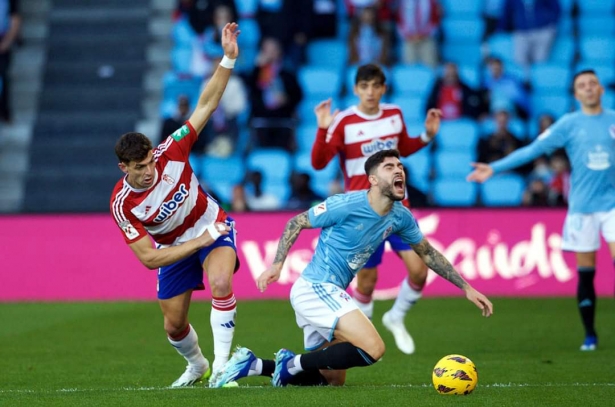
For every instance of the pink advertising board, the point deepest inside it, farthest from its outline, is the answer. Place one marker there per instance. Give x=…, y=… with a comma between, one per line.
x=84, y=257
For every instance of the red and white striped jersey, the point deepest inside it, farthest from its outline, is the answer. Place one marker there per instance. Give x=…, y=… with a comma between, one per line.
x=355, y=136
x=175, y=208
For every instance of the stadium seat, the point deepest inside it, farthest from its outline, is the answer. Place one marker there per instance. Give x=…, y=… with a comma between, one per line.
x=463, y=8
x=565, y=24
x=319, y=82
x=503, y=190
x=246, y=8
x=566, y=6
x=181, y=59
x=595, y=7
x=608, y=99
x=597, y=50
x=470, y=75
x=458, y=135
x=556, y=105
x=414, y=80
x=563, y=51
x=195, y=163
x=320, y=179
x=516, y=126
x=596, y=25
x=419, y=167
x=413, y=108
x=453, y=164
x=250, y=33
x=183, y=34
x=454, y=192
x=463, y=30
x=176, y=85
x=279, y=189
x=273, y=163
x=462, y=53
x=501, y=46
x=305, y=134
x=549, y=78
x=231, y=169
x=330, y=54
x=245, y=63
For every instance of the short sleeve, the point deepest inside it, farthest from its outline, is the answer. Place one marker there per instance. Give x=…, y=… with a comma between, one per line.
x=179, y=144
x=409, y=228
x=329, y=212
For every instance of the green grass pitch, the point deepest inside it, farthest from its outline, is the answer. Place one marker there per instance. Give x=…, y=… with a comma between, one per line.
x=112, y=354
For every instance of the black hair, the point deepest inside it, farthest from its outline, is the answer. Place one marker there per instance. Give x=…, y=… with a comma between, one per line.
x=369, y=72
x=132, y=146
x=376, y=159
x=583, y=72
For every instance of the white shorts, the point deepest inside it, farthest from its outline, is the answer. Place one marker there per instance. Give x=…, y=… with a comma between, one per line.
x=318, y=307
x=582, y=230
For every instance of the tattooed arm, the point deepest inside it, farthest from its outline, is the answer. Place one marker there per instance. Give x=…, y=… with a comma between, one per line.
x=441, y=266
x=290, y=235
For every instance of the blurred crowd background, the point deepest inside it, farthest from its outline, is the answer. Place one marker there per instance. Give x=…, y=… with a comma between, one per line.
x=85, y=72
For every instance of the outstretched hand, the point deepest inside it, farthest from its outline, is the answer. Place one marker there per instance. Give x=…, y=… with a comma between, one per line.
x=480, y=301
x=271, y=275
x=324, y=117
x=229, y=40
x=432, y=122
x=482, y=172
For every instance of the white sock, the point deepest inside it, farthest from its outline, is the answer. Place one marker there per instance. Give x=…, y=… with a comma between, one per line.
x=222, y=321
x=405, y=300
x=188, y=347
x=294, y=365
x=364, y=303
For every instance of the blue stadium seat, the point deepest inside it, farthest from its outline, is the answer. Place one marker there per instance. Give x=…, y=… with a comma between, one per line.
x=606, y=73
x=463, y=30
x=595, y=7
x=463, y=8
x=516, y=126
x=608, y=99
x=565, y=24
x=319, y=82
x=419, y=167
x=453, y=164
x=413, y=108
x=566, y=6
x=250, y=33
x=596, y=25
x=501, y=46
x=454, y=192
x=549, y=78
x=246, y=8
x=195, y=163
x=331, y=54
x=280, y=189
x=245, y=63
x=231, y=169
x=556, y=105
x=181, y=58
x=221, y=188
x=597, y=50
x=563, y=50
x=503, y=190
x=462, y=53
x=175, y=85
x=273, y=163
x=320, y=179
x=414, y=80
x=458, y=135
x=305, y=134
x=182, y=33
x=470, y=75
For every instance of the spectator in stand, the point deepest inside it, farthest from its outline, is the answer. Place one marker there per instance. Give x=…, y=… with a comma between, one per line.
x=454, y=98
x=560, y=181
x=368, y=42
x=534, y=25
x=505, y=91
x=256, y=198
x=536, y=194
x=179, y=118
x=274, y=94
x=418, y=23
x=500, y=143
x=323, y=19
x=9, y=32
x=385, y=12
x=289, y=22
x=544, y=121
x=302, y=195
x=239, y=201
x=200, y=13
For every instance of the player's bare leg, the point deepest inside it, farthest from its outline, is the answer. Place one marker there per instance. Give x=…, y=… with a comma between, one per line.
x=220, y=265
x=183, y=338
x=586, y=297
x=409, y=293
x=366, y=283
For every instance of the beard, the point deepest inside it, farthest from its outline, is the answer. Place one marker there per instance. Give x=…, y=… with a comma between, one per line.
x=389, y=191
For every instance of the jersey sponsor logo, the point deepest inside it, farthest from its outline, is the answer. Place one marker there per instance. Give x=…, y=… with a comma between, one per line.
x=169, y=207
x=128, y=229
x=180, y=133
x=378, y=145
x=320, y=208
x=168, y=179
x=598, y=159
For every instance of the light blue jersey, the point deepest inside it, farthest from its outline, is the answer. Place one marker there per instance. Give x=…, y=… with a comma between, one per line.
x=351, y=232
x=589, y=141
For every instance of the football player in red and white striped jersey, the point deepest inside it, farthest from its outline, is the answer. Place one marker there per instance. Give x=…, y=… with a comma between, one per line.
x=354, y=134
x=172, y=225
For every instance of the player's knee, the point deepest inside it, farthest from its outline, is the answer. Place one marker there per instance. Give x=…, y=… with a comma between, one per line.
x=375, y=348
x=335, y=377
x=220, y=284
x=174, y=328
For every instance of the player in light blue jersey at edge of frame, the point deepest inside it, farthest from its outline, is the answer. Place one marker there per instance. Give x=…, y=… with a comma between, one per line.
x=336, y=332
x=588, y=136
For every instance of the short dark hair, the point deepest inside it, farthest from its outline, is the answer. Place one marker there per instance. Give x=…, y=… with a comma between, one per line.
x=132, y=146
x=376, y=159
x=583, y=72
x=369, y=72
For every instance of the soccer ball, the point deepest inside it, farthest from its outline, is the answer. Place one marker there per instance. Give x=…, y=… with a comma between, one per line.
x=454, y=374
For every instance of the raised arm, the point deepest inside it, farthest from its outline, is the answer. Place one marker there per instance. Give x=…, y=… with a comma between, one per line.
x=211, y=95
x=441, y=266
x=323, y=150
x=289, y=236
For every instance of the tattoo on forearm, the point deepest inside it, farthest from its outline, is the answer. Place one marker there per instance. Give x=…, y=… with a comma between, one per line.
x=291, y=232
x=438, y=263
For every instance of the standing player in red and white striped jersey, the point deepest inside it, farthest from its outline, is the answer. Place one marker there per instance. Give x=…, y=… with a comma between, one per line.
x=160, y=199
x=354, y=134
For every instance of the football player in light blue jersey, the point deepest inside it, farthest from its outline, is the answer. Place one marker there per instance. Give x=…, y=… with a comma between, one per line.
x=588, y=136
x=339, y=335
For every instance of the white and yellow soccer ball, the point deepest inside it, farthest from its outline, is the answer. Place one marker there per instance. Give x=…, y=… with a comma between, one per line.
x=454, y=374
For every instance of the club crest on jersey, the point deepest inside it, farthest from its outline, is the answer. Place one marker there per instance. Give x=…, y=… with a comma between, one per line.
x=378, y=145
x=169, y=207
x=387, y=232
x=168, y=179
x=320, y=208
x=128, y=229
x=180, y=133
x=612, y=131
